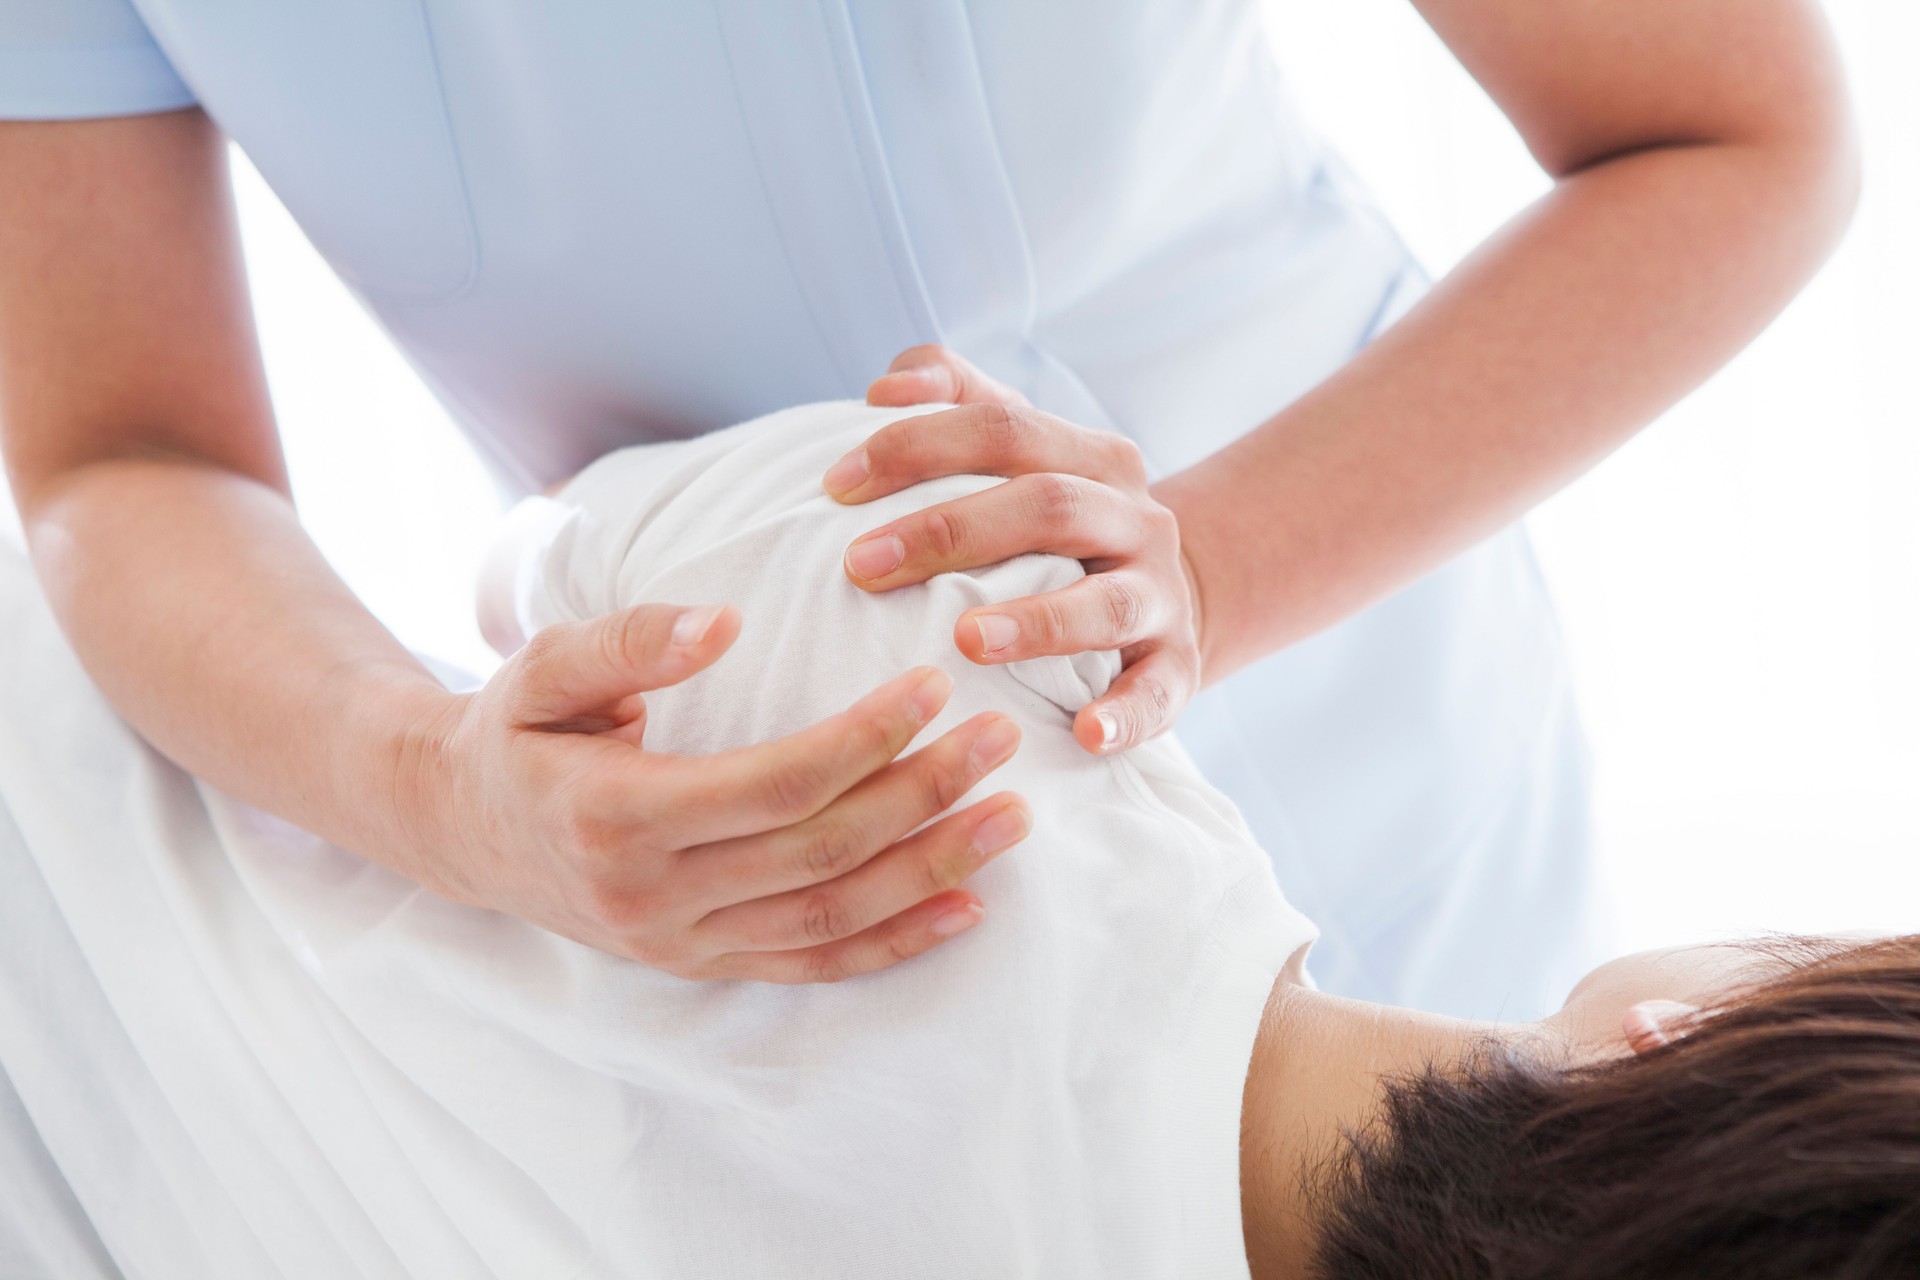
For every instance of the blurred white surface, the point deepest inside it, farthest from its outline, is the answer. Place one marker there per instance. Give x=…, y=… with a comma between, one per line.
x=1741, y=585
x=384, y=482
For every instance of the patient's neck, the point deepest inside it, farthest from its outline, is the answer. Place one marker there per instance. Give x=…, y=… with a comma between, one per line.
x=1317, y=1070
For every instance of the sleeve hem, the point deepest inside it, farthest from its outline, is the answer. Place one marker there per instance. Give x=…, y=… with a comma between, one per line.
x=77, y=82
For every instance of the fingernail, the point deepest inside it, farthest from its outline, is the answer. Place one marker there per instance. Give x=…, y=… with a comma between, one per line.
x=692, y=625
x=848, y=473
x=997, y=631
x=958, y=921
x=995, y=743
x=1109, y=728
x=931, y=694
x=876, y=557
x=1004, y=829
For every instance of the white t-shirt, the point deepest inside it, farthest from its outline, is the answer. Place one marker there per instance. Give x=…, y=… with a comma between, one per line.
x=338, y=1074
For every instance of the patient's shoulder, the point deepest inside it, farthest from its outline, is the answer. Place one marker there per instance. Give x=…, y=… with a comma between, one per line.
x=739, y=517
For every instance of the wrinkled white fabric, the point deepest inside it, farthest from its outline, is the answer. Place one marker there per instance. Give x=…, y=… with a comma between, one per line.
x=252, y=1054
x=596, y=225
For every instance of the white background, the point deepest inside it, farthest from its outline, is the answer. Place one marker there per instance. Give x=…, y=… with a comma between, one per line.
x=1740, y=586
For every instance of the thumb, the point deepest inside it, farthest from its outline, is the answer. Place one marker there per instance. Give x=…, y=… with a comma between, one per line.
x=931, y=374
x=1143, y=700
x=579, y=674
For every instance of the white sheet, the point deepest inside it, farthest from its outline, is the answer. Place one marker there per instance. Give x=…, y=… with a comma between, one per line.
x=252, y=1054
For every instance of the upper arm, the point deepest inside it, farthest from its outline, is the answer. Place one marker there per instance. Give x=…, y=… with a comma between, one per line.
x=124, y=322
x=1584, y=80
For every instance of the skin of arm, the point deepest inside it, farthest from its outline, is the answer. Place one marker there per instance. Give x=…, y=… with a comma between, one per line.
x=156, y=479
x=141, y=448
x=1704, y=166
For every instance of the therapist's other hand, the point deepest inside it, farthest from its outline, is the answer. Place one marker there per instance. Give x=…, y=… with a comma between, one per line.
x=1071, y=491
x=798, y=860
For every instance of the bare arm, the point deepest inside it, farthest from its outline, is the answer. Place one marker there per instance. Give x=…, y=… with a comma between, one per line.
x=1704, y=166
x=141, y=447
x=143, y=456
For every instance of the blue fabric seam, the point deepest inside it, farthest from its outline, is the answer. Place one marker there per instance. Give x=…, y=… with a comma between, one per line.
x=451, y=140
x=882, y=194
x=781, y=237
x=55, y=46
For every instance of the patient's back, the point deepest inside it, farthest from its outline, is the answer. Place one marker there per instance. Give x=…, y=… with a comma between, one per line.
x=250, y=1053
x=1056, y=1091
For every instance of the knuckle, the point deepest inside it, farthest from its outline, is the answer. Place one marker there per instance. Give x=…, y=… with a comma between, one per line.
x=624, y=638
x=827, y=966
x=824, y=917
x=944, y=533
x=1005, y=431
x=1160, y=523
x=938, y=784
x=882, y=735
x=873, y=735
x=916, y=357
x=943, y=870
x=632, y=639
x=1154, y=703
x=791, y=789
x=641, y=908
x=828, y=851
x=616, y=907
x=649, y=630
x=1053, y=621
x=898, y=946
x=999, y=428
x=1123, y=606
x=586, y=840
x=544, y=645
x=542, y=657
x=1126, y=458
x=1057, y=501
x=889, y=447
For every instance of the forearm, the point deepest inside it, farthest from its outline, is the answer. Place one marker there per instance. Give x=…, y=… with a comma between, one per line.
x=140, y=444
x=212, y=623
x=1587, y=316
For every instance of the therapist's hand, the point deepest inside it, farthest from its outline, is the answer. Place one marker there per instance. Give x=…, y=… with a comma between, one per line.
x=1071, y=491
x=789, y=861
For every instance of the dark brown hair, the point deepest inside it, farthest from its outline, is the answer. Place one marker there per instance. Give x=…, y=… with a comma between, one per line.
x=1779, y=1138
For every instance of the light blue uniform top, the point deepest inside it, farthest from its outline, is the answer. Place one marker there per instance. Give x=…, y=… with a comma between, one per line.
x=590, y=224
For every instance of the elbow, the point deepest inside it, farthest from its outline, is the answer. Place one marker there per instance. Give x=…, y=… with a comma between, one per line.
x=1780, y=139
x=1812, y=141
x=1794, y=183
x=1833, y=190
x=1817, y=185
x=1817, y=159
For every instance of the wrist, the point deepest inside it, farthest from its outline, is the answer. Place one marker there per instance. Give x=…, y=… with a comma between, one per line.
x=392, y=776
x=1210, y=596
x=425, y=784
x=1197, y=610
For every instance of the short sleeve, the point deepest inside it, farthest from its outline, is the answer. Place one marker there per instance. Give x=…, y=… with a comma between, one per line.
x=78, y=59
